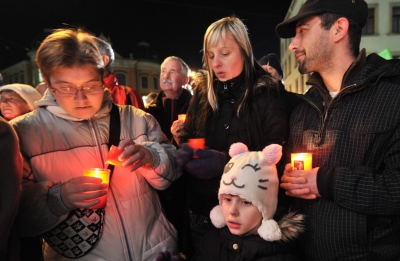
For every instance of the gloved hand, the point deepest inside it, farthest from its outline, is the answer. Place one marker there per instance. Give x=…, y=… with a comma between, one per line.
x=208, y=164
x=183, y=155
x=167, y=256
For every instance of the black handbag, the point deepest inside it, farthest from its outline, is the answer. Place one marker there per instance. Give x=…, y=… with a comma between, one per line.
x=79, y=233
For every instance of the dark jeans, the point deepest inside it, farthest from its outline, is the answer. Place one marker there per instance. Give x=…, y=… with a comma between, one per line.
x=199, y=225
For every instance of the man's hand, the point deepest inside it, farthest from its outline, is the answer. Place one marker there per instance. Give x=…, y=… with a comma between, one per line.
x=177, y=128
x=300, y=183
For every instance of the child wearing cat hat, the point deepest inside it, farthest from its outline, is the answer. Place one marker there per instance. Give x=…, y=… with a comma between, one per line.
x=245, y=228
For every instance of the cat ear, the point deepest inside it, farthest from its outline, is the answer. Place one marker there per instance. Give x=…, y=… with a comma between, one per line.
x=237, y=148
x=273, y=153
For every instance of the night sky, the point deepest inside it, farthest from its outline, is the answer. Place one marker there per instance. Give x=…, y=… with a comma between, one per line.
x=173, y=27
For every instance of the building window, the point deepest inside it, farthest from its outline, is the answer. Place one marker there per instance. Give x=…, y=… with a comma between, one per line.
x=155, y=82
x=121, y=78
x=396, y=20
x=21, y=77
x=369, y=27
x=145, y=81
x=16, y=78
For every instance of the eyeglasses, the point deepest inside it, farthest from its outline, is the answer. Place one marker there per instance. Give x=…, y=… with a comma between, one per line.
x=9, y=100
x=72, y=91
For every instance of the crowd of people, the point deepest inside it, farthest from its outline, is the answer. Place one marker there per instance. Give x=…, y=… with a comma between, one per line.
x=236, y=198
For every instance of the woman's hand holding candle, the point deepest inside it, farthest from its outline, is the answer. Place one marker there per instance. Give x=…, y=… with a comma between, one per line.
x=133, y=154
x=82, y=192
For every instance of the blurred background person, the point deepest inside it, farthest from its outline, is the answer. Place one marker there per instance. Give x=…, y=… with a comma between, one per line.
x=172, y=100
x=10, y=190
x=17, y=99
x=41, y=88
x=233, y=101
x=150, y=97
x=271, y=64
x=120, y=94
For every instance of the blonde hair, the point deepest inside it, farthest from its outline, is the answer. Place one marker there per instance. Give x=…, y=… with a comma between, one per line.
x=68, y=48
x=238, y=30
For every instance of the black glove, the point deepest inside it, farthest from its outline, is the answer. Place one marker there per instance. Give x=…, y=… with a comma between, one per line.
x=167, y=256
x=183, y=155
x=208, y=164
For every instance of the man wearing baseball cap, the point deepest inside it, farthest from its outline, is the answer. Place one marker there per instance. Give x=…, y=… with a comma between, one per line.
x=350, y=121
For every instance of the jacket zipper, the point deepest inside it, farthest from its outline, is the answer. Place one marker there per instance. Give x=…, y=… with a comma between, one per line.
x=92, y=127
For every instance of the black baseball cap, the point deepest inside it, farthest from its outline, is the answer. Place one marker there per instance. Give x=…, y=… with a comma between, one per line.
x=354, y=9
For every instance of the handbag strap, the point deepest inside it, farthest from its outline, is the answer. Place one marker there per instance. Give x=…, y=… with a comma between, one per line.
x=115, y=131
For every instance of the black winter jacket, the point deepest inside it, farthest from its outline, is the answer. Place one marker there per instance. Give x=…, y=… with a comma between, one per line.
x=224, y=128
x=221, y=245
x=355, y=140
x=167, y=112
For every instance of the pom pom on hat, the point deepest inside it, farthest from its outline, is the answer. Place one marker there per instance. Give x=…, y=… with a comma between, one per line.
x=269, y=230
x=217, y=218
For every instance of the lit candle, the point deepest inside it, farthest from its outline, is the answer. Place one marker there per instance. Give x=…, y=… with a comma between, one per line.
x=302, y=161
x=112, y=157
x=197, y=143
x=182, y=117
x=104, y=175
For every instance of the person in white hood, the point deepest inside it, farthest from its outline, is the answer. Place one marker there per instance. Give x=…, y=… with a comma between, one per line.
x=17, y=99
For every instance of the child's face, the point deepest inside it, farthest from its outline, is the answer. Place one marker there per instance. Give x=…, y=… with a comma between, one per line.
x=241, y=216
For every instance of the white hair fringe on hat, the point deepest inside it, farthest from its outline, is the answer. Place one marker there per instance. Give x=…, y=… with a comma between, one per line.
x=28, y=93
x=254, y=177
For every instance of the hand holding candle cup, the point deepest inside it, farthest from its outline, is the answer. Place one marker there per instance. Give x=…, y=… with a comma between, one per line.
x=112, y=157
x=182, y=117
x=196, y=143
x=104, y=175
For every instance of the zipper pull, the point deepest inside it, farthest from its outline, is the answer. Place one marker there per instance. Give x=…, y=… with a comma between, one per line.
x=225, y=87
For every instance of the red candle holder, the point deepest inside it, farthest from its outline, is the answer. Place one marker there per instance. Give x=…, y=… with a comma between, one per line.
x=112, y=157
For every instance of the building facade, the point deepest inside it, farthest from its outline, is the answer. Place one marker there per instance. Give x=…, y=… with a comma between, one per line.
x=381, y=32
x=141, y=71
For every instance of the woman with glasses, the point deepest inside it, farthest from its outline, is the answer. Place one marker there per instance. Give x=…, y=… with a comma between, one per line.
x=69, y=132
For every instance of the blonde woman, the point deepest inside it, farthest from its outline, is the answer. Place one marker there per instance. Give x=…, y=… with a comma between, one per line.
x=233, y=102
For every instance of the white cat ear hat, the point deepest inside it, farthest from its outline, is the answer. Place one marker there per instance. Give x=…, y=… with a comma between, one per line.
x=252, y=176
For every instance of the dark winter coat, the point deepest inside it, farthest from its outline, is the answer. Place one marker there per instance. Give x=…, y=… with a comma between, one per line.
x=167, y=112
x=221, y=245
x=355, y=140
x=224, y=128
x=11, y=168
